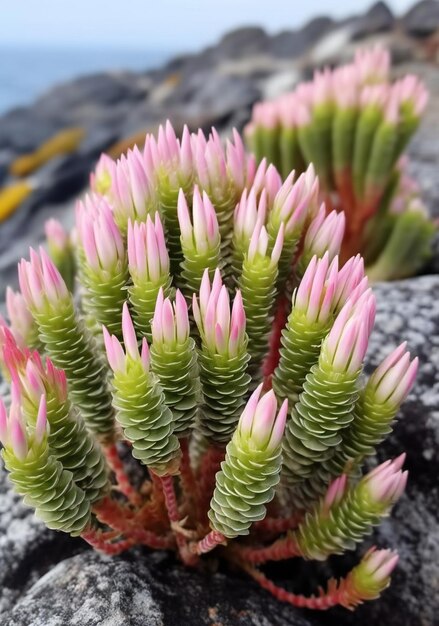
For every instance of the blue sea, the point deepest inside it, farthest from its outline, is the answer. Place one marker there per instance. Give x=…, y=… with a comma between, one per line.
x=27, y=73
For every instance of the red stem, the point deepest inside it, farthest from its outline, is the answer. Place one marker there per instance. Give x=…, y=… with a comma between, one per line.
x=278, y=524
x=101, y=541
x=188, y=482
x=272, y=358
x=284, y=548
x=174, y=518
x=323, y=602
x=114, y=515
x=122, y=480
x=210, y=465
x=210, y=541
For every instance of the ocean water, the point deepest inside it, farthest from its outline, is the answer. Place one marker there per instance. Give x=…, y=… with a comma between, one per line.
x=25, y=73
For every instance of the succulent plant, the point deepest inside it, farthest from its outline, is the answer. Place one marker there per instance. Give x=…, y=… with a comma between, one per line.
x=214, y=332
x=353, y=124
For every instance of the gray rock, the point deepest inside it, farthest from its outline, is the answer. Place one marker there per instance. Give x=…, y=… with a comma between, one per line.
x=292, y=44
x=22, y=130
x=379, y=18
x=141, y=590
x=207, y=98
x=243, y=42
x=422, y=19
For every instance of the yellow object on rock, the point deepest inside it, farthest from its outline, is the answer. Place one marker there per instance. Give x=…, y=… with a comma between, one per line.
x=63, y=142
x=11, y=197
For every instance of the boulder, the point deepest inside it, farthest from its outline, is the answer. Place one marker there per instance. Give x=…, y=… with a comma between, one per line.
x=422, y=19
x=379, y=18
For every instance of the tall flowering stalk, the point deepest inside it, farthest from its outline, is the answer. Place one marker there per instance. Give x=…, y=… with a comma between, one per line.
x=217, y=334
x=352, y=123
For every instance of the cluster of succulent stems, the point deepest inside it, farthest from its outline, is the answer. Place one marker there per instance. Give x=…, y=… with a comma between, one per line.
x=353, y=123
x=186, y=370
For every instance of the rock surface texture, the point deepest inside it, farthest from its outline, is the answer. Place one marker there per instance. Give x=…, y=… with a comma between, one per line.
x=48, y=579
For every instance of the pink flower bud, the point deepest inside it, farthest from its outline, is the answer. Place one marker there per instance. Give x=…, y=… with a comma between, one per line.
x=335, y=493
x=260, y=423
x=129, y=333
x=40, y=281
x=325, y=235
x=315, y=294
x=41, y=423
x=394, y=378
x=115, y=353
x=3, y=424
x=22, y=322
x=372, y=65
x=386, y=483
x=101, y=179
x=56, y=236
x=17, y=433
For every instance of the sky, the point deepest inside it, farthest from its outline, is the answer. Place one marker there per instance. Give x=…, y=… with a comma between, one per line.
x=159, y=25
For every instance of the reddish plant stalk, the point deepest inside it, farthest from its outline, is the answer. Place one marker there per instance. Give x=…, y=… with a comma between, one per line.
x=210, y=541
x=272, y=358
x=114, y=515
x=123, y=482
x=210, y=465
x=336, y=593
x=172, y=507
x=283, y=548
x=278, y=524
x=102, y=542
x=188, y=482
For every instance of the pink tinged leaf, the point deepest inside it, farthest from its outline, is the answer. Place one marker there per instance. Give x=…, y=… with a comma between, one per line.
x=55, y=287
x=315, y=296
x=302, y=294
x=3, y=424
x=17, y=435
x=360, y=347
x=152, y=251
x=238, y=315
x=273, y=183
x=41, y=423
x=335, y=493
x=181, y=317
x=161, y=244
x=168, y=322
x=254, y=242
x=197, y=314
x=223, y=311
x=278, y=430
x=32, y=380
x=342, y=355
x=221, y=343
x=200, y=222
x=56, y=234
x=406, y=383
x=184, y=219
x=145, y=355
x=247, y=416
x=278, y=245
x=186, y=156
x=204, y=291
x=387, y=567
x=156, y=324
x=115, y=353
x=392, y=375
x=217, y=284
x=129, y=334
x=264, y=420
x=327, y=304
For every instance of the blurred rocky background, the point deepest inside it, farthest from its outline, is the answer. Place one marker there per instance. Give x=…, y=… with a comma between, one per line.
x=46, y=153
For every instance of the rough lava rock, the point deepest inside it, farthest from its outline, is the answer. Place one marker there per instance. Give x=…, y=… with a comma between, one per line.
x=42, y=584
